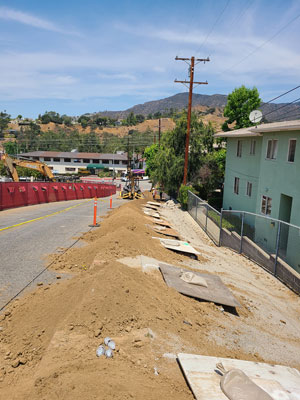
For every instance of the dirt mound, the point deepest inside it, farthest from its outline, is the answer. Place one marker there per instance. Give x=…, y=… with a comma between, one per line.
x=49, y=338
x=123, y=233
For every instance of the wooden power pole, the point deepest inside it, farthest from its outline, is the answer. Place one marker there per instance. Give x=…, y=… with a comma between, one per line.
x=159, y=131
x=191, y=63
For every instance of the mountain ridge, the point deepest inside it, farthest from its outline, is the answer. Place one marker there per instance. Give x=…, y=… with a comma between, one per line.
x=179, y=101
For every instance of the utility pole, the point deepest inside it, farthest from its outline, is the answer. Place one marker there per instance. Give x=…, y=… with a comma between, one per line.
x=159, y=131
x=191, y=63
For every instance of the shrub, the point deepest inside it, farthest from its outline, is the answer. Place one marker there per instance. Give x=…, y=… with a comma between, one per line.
x=183, y=195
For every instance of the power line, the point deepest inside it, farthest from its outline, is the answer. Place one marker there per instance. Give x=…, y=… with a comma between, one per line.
x=213, y=26
x=263, y=44
x=233, y=23
x=283, y=94
x=286, y=105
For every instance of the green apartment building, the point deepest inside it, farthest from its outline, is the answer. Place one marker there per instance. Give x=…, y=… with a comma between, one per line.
x=262, y=176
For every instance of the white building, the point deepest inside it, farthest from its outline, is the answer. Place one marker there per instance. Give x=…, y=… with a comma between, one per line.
x=70, y=162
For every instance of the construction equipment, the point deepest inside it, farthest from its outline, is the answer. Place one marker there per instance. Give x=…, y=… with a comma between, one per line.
x=12, y=163
x=131, y=190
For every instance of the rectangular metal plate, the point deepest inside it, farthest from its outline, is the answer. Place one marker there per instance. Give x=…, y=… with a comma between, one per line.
x=215, y=291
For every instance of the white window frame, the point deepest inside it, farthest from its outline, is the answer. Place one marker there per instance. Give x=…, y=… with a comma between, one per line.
x=236, y=185
x=249, y=185
x=252, y=147
x=288, y=153
x=239, y=147
x=273, y=153
x=268, y=207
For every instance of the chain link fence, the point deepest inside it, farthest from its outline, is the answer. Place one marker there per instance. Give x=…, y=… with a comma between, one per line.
x=271, y=243
x=206, y=216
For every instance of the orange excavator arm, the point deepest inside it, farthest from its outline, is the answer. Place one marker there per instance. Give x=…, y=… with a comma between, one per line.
x=11, y=163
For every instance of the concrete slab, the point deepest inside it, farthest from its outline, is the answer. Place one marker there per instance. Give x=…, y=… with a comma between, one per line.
x=280, y=382
x=215, y=291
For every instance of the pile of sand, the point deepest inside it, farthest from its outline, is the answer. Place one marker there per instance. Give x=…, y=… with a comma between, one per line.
x=49, y=338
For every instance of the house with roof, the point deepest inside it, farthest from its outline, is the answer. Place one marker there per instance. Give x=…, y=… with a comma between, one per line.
x=262, y=176
x=70, y=162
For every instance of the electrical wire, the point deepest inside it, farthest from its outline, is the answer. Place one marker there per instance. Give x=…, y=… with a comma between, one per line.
x=233, y=23
x=213, y=26
x=286, y=105
x=263, y=44
x=283, y=94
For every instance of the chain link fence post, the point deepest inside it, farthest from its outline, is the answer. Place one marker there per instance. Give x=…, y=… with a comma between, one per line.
x=221, y=218
x=277, y=247
x=242, y=232
x=206, y=217
x=196, y=208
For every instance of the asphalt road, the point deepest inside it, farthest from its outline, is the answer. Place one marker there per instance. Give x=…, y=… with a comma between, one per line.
x=24, y=248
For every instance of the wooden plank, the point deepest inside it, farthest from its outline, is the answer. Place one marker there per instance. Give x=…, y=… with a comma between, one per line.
x=154, y=203
x=179, y=245
x=215, y=291
x=280, y=382
x=159, y=221
x=151, y=207
x=166, y=231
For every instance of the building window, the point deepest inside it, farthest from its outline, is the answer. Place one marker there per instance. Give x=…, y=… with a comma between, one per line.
x=86, y=161
x=67, y=159
x=266, y=204
x=70, y=169
x=56, y=159
x=292, y=150
x=249, y=189
x=76, y=160
x=124, y=162
x=272, y=149
x=95, y=161
x=252, y=146
x=236, y=185
x=105, y=161
x=116, y=162
x=47, y=158
x=239, y=148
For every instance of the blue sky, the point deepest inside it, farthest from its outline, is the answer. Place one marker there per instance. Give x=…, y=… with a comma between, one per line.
x=76, y=56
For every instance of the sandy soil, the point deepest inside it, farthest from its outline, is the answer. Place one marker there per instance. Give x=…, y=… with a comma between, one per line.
x=48, y=338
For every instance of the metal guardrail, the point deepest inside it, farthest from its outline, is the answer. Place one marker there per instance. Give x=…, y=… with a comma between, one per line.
x=272, y=243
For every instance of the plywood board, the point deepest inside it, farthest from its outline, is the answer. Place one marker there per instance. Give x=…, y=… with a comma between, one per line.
x=166, y=231
x=280, y=382
x=154, y=203
x=152, y=213
x=159, y=221
x=151, y=207
x=179, y=245
x=215, y=291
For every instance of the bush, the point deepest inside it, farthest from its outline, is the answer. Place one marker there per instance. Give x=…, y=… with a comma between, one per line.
x=183, y=195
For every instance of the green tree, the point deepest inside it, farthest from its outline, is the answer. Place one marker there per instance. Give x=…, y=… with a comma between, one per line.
x=239, y=105
x=4, y=121
x=166, y=163
x=210, y=175
x=10, y=147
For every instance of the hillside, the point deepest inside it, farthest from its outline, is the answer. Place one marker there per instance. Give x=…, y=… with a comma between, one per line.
x=179, y=101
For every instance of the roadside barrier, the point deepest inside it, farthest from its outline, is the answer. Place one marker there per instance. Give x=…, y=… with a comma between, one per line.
x=19, y=194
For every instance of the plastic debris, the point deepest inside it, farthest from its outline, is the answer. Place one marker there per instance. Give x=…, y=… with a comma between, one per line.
x=107, y=340
x=109, y=353
x=100, y=351
x=111, y=345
